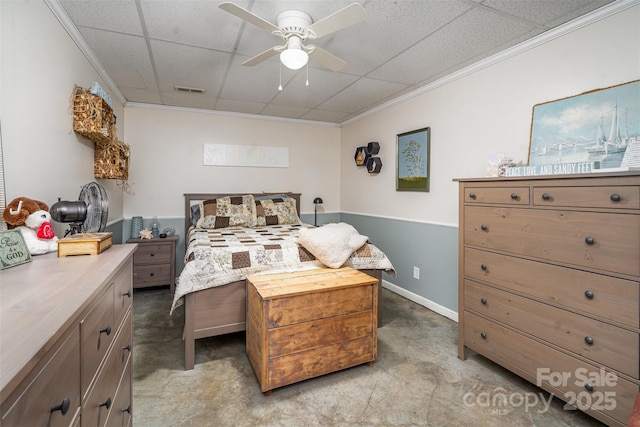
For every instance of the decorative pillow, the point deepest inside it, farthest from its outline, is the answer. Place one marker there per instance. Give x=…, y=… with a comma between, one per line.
x=278, y=211
x=331, y=244
x=230, y=211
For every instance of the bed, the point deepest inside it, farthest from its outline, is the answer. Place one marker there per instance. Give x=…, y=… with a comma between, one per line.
x=222, y=248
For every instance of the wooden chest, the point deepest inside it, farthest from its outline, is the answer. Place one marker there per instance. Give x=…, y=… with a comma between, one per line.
x=550, y=284
x=305, y=324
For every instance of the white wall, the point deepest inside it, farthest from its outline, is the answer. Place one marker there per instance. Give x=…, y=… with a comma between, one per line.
x=486, y=112
x=167, y=158
x=40, y=66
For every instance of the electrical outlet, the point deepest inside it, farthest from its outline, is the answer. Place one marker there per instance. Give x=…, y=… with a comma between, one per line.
x=416, y=273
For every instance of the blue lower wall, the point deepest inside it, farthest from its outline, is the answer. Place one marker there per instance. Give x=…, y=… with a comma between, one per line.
x=432, y=248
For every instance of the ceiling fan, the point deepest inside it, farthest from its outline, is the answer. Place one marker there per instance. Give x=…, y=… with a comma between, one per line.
x=296, y=27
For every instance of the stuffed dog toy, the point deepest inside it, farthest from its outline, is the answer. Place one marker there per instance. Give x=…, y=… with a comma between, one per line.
x=32, y=219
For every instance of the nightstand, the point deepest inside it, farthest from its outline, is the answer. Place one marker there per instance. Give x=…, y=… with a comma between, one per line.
x=154, y=262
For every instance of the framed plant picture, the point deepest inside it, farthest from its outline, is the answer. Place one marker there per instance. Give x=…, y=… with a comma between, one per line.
x=412, y=160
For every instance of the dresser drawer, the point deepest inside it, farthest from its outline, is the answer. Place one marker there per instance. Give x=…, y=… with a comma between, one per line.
x=101, y=398
x=605, y=344
x=97, y=330
x=152, y=253
x=497, y=195
x=57, y=384
x=589, y=293
x=120, y=413
x=543, y=365
x=318, y=305
x=319, y=361
x=152, y=274
x=595, y=240
x=123, y=291
x=612, y=197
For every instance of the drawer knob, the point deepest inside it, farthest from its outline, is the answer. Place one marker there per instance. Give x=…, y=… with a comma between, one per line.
x=62, y=407
x=106, y=330
x=588, y=386
x=127, y=294
x=588, y=294
x=483, y=335
x=472, y=196
x=615, y=197
x=483, y=227
x=127, y=347
x=128, y=409
x=545, y=196
x=514, y=196
x=588, y=340
x=106, y=403
x=589, y=240
x=153, y=254
x=151, y=274
x=483, y=301
x=483, y=266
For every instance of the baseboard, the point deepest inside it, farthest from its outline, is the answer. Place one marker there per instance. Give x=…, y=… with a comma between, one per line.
x=435, y=307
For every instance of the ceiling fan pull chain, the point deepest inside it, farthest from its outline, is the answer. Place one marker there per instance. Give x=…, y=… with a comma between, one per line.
x=307, y=74
x=280, y=87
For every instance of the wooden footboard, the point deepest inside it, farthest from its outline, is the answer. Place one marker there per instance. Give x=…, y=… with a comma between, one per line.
x=222, y=310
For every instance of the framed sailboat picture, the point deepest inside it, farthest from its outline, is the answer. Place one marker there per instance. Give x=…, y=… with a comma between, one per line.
x=600, y=128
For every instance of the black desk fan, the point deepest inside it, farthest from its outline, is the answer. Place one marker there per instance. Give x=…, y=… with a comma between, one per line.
x=86, y=215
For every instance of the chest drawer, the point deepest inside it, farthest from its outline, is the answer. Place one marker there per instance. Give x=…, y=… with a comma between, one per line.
x=593, y=294
x=541, y=365
x=612, y=197
x=56, y=385
x=97, y=330
x=605, y=344
x=586, y=239
x=497, y=195
x=318, y=305
x=152, y=253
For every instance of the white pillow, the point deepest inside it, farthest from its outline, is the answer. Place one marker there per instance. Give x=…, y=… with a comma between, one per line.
x=331, y=244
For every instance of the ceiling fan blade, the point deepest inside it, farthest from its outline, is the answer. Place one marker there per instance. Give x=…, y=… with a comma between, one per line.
x=343, y=18
x=248, y=16
x=325, y=58
x=263, y=56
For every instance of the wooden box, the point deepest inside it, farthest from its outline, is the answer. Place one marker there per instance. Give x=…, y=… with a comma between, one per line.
x=84, y=244
x=310, y=323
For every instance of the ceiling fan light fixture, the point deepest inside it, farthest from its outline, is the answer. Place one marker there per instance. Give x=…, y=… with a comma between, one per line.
x=294, y=59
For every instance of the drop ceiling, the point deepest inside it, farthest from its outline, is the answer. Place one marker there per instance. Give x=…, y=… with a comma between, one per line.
x=145, y=48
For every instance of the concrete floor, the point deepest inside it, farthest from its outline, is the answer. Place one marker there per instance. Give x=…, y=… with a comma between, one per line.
x=416, y=381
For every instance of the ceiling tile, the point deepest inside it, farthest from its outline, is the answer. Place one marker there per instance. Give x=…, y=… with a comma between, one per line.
x=128, y=65
x=193, y=22
x=361, y=95
x=114, y=15
x=180, y=65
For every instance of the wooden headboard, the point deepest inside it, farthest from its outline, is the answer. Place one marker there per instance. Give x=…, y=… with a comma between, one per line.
x=191, y=198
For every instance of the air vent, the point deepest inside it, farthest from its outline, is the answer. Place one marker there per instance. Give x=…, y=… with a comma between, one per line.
x=188, y=89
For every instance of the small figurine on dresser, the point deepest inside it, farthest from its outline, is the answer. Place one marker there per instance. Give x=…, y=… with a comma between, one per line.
x=32, y=219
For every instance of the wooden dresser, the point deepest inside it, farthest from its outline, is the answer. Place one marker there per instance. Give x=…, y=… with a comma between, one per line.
x=310, y=323
x=154, y=263
x=65, y=341
x=549, y=284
